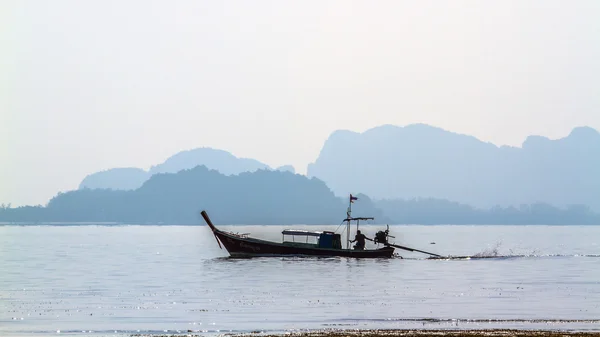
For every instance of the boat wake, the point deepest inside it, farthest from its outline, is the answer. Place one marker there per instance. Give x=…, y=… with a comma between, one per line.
x=491, y=252
x=509, y=256
x=494, y=253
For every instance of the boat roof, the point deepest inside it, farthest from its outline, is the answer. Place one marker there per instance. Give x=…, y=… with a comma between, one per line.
x=300, y=232
x=354, y=219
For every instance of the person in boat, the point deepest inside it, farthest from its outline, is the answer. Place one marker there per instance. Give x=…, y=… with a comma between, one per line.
x=359, y=238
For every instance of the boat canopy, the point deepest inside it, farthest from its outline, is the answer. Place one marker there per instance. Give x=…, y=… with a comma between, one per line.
x=300, y=232
x=354, y=219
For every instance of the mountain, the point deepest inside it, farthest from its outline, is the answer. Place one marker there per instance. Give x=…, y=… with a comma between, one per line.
x=177, y=198
x=430, y=211
x=261, y=197
x=219, y=160
x=391, y=162
x=116, y=179
x=268, y=197
x=286, y=168
x=133, y=178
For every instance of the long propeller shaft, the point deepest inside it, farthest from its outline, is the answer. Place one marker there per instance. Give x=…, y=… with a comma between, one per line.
x=412, y=249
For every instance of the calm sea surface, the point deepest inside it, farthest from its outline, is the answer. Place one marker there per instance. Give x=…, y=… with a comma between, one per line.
x=119, y=280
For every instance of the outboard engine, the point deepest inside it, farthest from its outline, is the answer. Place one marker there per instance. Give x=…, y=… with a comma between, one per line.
x=382, y=236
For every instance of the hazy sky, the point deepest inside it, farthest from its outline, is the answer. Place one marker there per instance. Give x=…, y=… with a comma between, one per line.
x=90, y=85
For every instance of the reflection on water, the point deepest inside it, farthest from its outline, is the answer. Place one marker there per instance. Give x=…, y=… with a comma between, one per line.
x=134, y=279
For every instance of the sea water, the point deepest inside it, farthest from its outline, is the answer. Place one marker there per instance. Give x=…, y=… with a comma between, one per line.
x=130, y=279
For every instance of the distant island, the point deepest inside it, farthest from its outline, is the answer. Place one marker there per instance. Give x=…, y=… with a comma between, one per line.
x=268, y=197
x=421, y=161
x=260, y=197
x=417, y=174
x=133, y=178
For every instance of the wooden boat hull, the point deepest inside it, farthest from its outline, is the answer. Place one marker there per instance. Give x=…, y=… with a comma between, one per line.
x=241, y=246
x=248, y=247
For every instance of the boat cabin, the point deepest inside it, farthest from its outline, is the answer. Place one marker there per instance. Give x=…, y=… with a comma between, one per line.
x=302, y=238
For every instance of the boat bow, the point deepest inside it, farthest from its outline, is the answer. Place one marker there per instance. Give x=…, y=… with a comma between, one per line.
x=212, y=227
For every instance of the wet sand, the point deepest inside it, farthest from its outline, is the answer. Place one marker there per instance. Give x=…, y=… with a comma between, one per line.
x=409, y=333
x=454, y=333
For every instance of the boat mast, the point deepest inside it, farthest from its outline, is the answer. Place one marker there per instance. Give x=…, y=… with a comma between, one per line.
x=348, y=216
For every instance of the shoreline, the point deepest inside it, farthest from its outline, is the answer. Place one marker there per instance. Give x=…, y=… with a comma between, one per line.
x=495, y=332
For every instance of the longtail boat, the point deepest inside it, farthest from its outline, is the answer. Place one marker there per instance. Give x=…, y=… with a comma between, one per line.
x=327, y=243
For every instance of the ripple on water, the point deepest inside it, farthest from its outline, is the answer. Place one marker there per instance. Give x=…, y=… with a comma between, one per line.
x=105, y=279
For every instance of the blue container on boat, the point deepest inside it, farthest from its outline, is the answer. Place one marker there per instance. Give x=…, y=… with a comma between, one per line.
x=326, y=240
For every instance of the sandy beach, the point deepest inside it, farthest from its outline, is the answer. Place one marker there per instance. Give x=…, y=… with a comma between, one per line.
x=408, y=333
x=454, y=333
